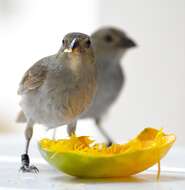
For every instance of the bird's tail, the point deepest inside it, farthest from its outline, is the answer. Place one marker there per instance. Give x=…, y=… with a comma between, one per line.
x=21, y=118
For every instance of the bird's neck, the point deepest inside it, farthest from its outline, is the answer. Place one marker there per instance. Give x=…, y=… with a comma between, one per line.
x=109, y=58
x=74, y=62
x=107, y=62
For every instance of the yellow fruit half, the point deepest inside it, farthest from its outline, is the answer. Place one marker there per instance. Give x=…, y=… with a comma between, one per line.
x=80, y=156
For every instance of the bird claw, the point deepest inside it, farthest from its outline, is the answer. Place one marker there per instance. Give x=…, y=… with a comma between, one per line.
x=29, y=169
x=109, y=143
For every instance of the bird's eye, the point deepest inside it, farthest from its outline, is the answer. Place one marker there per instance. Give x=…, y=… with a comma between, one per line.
x=88, y=43
x=108, y=38
x=63, y=42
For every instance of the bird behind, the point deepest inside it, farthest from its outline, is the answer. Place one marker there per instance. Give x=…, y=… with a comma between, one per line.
x=110, y=45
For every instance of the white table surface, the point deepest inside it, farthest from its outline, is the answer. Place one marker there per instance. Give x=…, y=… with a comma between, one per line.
x=11, y=146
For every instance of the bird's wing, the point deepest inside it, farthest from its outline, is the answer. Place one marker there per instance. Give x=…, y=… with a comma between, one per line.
x=33, y=78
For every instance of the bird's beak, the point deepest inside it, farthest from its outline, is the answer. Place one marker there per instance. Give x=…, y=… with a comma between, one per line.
x=68, y=50
x=128, y=43
x=71, y=46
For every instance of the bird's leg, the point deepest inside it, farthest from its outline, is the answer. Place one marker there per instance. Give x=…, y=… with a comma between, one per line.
x=71, y=128
x=25, y=160
x=103, y=132
x=54, y=133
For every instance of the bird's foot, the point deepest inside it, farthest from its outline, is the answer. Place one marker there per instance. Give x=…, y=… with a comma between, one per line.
x=29, y=169
x=109, y=143
x=26, y=168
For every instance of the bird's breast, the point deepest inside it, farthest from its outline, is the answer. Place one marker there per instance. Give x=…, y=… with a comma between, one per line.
x=78, y=99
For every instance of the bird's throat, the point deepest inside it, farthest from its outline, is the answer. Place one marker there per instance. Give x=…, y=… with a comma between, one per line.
x=75, y=62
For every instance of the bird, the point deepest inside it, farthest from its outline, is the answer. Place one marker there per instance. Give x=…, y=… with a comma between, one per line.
x=110, y=45
x=58, y=88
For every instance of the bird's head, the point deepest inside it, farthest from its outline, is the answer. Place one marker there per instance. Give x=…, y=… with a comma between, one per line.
x=111, y=41
x=76, y=51
x=76, y=44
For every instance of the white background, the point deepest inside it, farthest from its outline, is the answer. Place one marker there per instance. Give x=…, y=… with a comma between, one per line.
x=155, y=89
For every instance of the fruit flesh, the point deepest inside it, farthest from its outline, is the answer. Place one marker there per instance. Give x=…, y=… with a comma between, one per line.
x=79, y=156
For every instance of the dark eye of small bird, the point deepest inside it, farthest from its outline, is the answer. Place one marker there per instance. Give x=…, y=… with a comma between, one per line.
x=63, y=42
x=88, y=43
x=108, y=38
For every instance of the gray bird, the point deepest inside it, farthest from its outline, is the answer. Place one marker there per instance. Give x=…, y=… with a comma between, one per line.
x=110, y=45
x=57, y=89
